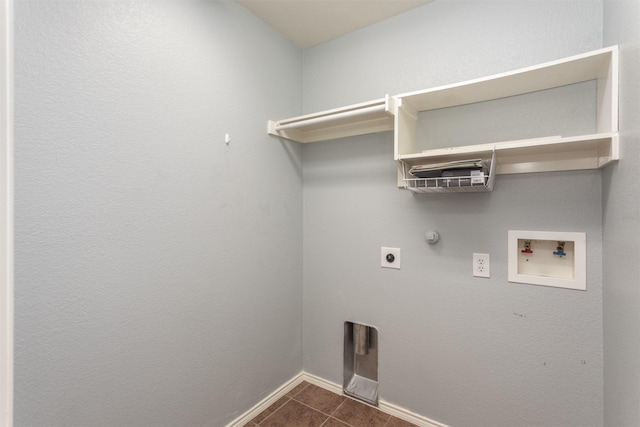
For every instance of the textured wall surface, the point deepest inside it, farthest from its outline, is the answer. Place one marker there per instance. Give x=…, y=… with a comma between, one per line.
x=621, y=231
x=158, y=270
x=447, y=41
x=461, y=350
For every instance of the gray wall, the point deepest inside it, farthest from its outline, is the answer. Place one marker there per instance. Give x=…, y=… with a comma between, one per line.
x=621, y=243
x=158, y=270
x=457, y=349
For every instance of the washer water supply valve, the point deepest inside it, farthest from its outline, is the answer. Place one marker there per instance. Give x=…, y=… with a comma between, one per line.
x=560, y=250
x=527, y=247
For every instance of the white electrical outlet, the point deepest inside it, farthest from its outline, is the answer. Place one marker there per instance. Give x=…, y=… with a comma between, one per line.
x=481, y=265
x=390, y=258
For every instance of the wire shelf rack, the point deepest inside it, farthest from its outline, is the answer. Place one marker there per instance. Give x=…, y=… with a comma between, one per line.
x=452, y=184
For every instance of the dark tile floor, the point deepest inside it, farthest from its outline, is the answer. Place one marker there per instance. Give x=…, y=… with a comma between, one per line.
x=313, y=406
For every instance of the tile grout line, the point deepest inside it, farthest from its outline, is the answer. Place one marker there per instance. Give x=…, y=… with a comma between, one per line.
x=330, y=415
x=336, y=410
x=289, y=399
x=388, y=419
x=293, y=397
x=346, y=398
x=338, y=407
x=274, y=411
x=375, y=408
x=310, y=407
x=301, y=390
x=323, y=413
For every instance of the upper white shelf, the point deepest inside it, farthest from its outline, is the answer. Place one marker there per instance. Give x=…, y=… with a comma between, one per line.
x=580, y=68
x=358, y=119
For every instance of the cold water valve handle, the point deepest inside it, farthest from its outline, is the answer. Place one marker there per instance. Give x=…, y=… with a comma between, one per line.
x=560, y=250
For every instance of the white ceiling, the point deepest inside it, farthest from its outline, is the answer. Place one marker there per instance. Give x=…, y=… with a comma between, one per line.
x=310, y=22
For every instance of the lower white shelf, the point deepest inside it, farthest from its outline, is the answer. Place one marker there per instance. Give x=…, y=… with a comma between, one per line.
x=546, y=154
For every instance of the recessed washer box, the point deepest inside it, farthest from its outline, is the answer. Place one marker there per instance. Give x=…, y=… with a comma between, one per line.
x=548, y=258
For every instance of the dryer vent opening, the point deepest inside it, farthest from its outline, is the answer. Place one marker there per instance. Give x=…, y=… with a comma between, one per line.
x=361, y=362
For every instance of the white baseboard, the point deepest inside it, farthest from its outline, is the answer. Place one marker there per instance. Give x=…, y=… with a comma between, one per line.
x=320, y=382
x=267, y=401
x=405, y=414
x=384, y=406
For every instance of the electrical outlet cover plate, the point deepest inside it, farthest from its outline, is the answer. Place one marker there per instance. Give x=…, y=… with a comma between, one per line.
x=481, y=265
x=540, y=264
x=392, y=254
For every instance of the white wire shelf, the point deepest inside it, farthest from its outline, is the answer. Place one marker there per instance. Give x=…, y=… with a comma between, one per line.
x=452, y=184
x=458, y=184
